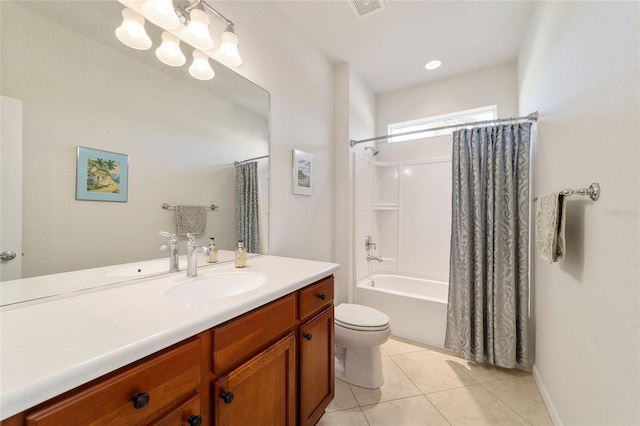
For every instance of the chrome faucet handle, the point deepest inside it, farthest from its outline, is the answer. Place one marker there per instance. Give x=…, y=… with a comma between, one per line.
x=173, y=239
x=192, y=239
x=169, y=235
x=368, y=243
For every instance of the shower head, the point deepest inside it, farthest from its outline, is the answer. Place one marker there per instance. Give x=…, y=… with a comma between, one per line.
x=373, y=150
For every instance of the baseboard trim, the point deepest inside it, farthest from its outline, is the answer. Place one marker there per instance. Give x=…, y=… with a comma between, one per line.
x=551, y=408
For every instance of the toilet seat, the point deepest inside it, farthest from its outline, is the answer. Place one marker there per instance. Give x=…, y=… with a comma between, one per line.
x=360, y=318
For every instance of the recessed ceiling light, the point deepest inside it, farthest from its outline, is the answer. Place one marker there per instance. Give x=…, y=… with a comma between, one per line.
x=432, y=65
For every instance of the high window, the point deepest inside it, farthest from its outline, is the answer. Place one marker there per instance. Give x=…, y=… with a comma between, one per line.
x=469, y=116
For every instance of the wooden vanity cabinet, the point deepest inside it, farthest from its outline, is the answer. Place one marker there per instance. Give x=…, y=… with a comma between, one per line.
x=287, y=382
x=270, y=366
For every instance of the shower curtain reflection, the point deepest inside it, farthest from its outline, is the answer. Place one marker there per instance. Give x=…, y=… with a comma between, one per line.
x=248, y=206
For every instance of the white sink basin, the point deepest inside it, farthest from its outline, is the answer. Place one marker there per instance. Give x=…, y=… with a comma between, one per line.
x=142, y=269
x=217, y=286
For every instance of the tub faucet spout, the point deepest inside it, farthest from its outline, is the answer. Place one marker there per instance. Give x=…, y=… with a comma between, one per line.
x=378, y=258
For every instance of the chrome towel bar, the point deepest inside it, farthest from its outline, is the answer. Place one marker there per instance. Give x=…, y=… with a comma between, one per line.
x=593, y=191
x=166, y=206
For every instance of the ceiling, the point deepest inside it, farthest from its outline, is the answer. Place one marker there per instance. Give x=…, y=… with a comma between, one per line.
x=389, y=48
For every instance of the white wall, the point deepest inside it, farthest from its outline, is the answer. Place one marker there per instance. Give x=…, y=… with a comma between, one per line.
x=579, y=67
x=300, y=80
x=488, y=86
x=343, y=206
x=354, y=119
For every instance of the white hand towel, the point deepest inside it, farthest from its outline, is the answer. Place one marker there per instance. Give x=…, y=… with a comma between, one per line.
x=550, y=221
x=190, y=219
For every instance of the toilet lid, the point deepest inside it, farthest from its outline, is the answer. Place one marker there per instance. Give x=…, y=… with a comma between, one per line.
x=360, y=316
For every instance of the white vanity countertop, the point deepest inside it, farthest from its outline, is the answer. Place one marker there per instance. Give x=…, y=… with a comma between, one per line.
x=61, y=285
x=51, y=347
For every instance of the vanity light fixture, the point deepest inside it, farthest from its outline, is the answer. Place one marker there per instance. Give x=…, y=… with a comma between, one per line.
x=186, y=20
x=131, y=32
x=200, y=67
x=169, y=51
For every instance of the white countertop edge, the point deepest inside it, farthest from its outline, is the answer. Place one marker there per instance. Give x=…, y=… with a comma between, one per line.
x=29, y=395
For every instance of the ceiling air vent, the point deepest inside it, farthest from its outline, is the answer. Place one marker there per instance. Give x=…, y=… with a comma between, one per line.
x=362, y=8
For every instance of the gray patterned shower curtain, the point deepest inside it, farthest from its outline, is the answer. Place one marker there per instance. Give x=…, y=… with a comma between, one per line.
x=247, y=207
x=488, y=311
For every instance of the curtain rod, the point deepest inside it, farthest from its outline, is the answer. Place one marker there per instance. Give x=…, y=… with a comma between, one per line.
x=235, y=163
x=531, y=117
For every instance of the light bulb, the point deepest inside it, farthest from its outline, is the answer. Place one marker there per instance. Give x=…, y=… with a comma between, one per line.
x=228, y=53
x=169, y=51
x=161, y=13
x=131, y=32
x=197, y=31
x=200, y=67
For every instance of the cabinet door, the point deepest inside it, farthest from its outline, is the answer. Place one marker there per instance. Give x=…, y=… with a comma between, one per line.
x=316, y=366
x=261, y=391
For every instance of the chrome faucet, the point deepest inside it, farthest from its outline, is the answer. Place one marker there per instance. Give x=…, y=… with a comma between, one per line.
x=172, y=245
x=370, y=245
x=192, y=258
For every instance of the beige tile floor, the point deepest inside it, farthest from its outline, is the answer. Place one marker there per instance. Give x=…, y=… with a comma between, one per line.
x=426, y=386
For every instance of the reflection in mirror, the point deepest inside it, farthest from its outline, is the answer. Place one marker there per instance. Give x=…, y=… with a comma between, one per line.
x=79, y=86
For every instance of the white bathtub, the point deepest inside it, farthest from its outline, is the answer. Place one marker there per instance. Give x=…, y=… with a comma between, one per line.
x=417, y=308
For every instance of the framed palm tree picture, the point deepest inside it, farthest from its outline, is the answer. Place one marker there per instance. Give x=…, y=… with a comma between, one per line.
x=101, y=175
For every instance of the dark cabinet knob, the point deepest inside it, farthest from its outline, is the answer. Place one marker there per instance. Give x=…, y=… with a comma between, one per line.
x=323, y=296
x=227, y=397
x=140, y=400
x=308, y=336
x=195, y=421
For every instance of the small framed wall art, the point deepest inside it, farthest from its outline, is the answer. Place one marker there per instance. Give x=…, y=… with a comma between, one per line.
x=101, y=175
x=302, y=173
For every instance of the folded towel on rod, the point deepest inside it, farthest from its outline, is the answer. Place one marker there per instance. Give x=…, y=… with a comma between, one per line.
x=550, y=222
x=190, y=219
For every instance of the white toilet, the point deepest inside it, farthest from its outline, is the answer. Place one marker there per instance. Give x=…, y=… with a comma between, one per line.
x=359, y=332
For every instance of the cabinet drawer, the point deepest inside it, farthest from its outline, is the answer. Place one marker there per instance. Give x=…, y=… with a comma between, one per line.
x=241, y=337
x=315, y=297
x=185, y=414
x=164, y=379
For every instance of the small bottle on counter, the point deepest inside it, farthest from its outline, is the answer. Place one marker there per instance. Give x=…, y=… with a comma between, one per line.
x=241, y=255
x=213, y=251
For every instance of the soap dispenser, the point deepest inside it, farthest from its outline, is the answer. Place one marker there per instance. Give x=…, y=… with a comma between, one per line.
x=213, y=251
x=241, y=255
